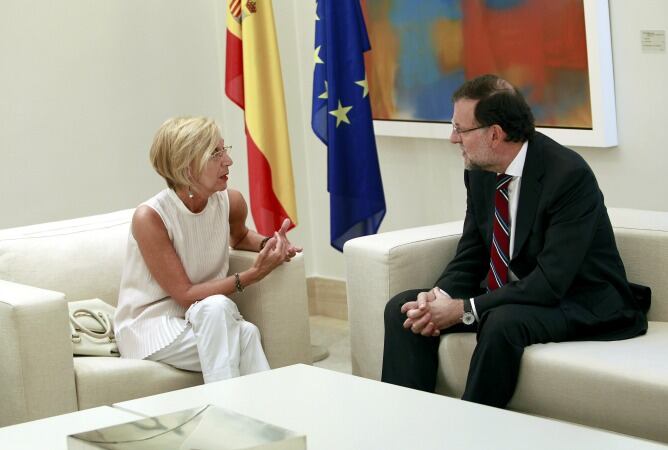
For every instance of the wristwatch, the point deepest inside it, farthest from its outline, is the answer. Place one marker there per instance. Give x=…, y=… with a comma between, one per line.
x=468, y=318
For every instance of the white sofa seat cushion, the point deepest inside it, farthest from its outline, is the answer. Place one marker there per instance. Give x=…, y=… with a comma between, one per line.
x=107, y=380
x=575, y=380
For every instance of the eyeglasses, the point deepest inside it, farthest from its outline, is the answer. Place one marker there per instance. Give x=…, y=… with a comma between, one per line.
x=218, y=153
x=459, y=131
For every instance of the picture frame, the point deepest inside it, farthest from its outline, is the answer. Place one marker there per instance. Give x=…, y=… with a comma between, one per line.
x=601, y=85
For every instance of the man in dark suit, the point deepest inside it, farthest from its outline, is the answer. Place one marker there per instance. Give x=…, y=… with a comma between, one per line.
x=537, y=261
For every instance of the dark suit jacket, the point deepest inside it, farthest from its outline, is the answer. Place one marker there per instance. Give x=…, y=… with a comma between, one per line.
x=564, y=253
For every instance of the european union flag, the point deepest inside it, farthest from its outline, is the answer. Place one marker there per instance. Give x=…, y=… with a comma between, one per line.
x=341, y=118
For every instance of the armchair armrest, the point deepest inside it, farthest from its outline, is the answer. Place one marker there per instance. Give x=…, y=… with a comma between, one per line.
x=379, y=267
x=278, y=305
x=37, y=373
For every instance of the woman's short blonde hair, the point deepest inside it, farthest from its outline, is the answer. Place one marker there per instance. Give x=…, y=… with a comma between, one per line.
x=180, y=142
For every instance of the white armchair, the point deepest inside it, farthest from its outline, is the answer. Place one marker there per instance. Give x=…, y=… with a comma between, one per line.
x=44, y=266
x=621, y=385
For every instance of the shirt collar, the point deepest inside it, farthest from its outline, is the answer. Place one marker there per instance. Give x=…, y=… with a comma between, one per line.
x=517, y=165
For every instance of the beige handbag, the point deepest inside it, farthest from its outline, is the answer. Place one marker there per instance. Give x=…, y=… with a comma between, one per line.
x=91, y=324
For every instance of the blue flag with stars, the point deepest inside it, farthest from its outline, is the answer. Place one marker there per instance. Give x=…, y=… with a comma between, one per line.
x=341, y=118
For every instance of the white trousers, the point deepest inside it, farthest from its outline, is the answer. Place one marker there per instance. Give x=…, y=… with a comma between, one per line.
x=217, y=342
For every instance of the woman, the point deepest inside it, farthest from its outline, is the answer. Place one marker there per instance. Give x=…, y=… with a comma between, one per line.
x=173, y=305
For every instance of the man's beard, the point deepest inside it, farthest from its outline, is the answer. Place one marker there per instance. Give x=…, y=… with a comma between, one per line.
x=472, y=166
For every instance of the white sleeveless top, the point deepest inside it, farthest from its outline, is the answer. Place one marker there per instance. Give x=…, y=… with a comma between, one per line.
x=147, y=319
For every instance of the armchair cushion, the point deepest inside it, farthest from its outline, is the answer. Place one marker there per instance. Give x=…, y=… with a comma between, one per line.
x=36, y=373
x=278, y=306
x=107, y=380
x=380, y=266
x=575, y=381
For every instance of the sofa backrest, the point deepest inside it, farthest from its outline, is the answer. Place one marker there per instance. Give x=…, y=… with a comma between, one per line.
x=642, y=239
x=82, y=258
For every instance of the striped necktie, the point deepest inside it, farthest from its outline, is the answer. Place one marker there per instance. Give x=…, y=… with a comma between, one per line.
x=500, y=249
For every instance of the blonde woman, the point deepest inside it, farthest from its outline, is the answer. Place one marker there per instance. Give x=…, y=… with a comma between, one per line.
x=173, y=302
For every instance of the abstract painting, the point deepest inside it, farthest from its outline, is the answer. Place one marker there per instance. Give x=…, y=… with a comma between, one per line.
x=423, y=50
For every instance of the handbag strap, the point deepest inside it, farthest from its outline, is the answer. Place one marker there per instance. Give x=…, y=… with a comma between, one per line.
x=103, y=319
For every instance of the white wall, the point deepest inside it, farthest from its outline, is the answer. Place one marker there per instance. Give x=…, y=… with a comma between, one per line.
x=84, y=85
x=633, y=174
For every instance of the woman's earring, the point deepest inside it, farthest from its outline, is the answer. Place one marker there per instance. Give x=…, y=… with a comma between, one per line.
x=190, y=193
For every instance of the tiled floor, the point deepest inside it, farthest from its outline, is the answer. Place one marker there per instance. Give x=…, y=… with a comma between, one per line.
x=334, y=334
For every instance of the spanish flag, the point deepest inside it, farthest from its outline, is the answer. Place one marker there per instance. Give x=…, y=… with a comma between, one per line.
x=253, y=81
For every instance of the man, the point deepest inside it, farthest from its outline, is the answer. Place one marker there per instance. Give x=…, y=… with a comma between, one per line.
x=537, y=260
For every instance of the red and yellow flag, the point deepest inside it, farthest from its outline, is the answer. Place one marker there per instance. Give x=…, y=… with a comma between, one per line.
x=253, y=81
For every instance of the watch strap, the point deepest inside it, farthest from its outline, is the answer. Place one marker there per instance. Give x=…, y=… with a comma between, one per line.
x=467, y=305
x=237, y=283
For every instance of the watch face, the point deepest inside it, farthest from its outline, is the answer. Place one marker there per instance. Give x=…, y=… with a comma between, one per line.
x=468, y=318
